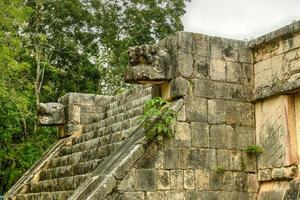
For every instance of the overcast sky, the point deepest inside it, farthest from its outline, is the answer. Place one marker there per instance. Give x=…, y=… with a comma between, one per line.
x=239, y=19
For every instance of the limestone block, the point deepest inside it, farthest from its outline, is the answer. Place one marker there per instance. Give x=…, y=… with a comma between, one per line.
x=240, y=181
x=174, y=195
x=204, y=88
x=182, y=134
x=179, y=87
x=171, y=158
x=200, y=46
x=222, y=137
x=230, y=49
x=275, y=129
x=202, y=179
x=73, y=112
x=129, y=182
x=281, y=173
x=181, y=116
x=245, y=54
x=146, y=179
x=245, y=136
x=155, y=195
x=200, y=134
x=215, y=47
x=201, y=67
x=163, y=179
x=248, y=76
x=196, y=109
x=252, y=183
x=228, y=181
x=277, y=67
x=176, y=179
x=189, y=179
x=51, y=114
x=234, y=72
x=184, y=54
x=215, y=180
x=216, y=111
x=201, y=158
x=217, y=70
x=263, y=73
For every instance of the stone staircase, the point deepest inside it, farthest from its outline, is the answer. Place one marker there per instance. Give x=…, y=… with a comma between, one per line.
x=80, y=156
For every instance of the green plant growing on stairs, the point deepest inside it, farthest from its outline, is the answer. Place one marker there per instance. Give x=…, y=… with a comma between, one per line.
x=254, y=149
x=158, y=118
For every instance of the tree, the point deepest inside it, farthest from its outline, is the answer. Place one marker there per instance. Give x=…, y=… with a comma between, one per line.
x=50, y=47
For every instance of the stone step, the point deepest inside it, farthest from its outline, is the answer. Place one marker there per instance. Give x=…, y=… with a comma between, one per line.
x=119, y=117
x=71, y=170
x=59, y=184
x=60, y=195
x=94, y=143
x=83, y=156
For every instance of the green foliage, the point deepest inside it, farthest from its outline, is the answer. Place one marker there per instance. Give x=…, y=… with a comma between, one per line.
x=253, y=149
x=158, y=118
x=220, y=170
x=82, y=47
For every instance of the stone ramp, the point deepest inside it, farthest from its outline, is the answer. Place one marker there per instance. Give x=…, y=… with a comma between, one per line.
x=75, y=159
x=104, y=181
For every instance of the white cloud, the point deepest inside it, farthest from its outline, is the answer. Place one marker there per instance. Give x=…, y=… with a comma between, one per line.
x=239, y=19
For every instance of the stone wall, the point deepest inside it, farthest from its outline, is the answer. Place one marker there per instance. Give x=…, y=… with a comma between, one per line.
x=206, y=159
x=276, y=71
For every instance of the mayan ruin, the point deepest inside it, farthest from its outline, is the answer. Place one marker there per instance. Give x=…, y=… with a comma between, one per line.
x=237, y=132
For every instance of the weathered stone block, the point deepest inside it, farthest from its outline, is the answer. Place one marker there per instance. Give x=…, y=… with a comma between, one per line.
x=163, y=179
x=241, y=181
x=234, y=72
x=200, y=46
x=215, y=180
x=202, y=179
x=155, y=196
x=171, y=158
x=174, y=195
x=176, y=179
x=182, y=134
x=216, y=111
x=181, y=116
x=201, y=67
x=252, y=183
x=263, y=73
x=217, y=70
x=189, y=179
x=184, y=53
x=179, y=87
x=215, y=48
x=230, y=49
x=200, y=134
x=204, y=88
x=196, y=108
x=248, y=76
x=51, y=114
x=146, y=179
x=222, y=137
x=245, y=136
x=129, y=182
x=228, y=181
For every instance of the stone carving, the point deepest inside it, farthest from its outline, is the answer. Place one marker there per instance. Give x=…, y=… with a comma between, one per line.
x=51, y=114
x=148, y=63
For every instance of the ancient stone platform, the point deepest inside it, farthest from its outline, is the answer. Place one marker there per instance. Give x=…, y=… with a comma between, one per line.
x=230, y=95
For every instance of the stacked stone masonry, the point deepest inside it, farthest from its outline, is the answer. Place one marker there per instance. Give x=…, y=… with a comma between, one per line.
x=229, y=94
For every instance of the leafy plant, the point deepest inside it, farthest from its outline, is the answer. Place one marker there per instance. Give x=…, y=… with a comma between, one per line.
x=253, y=149
x=220, y=170
x=158, y=118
